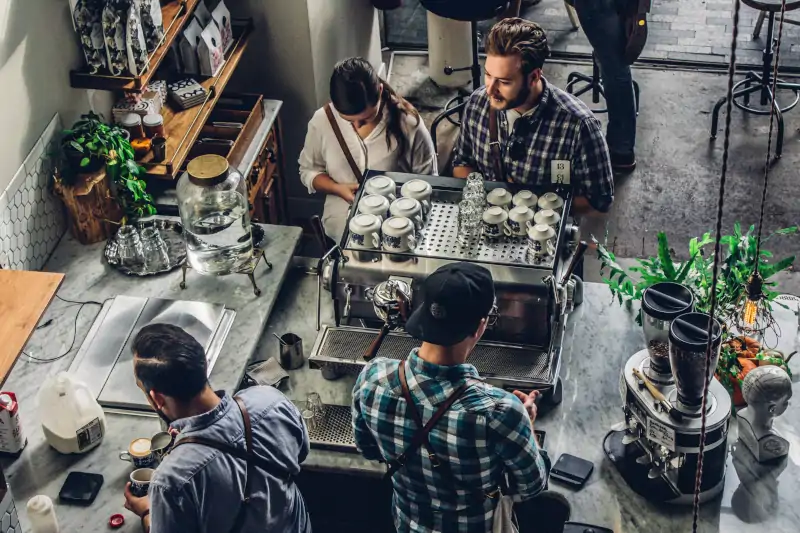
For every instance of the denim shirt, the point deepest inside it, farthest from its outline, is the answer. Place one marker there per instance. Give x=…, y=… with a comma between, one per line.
x=199, y=489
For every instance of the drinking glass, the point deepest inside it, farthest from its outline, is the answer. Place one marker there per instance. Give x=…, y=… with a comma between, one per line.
x=469, y=223
x=315, y=405
x=129, y=245
x=310, y=420
x=476, y=196
x=155, y=250
x=475, y=182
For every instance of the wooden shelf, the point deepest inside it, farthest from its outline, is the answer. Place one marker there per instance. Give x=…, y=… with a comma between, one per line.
x=176, y=15
x=183, y=126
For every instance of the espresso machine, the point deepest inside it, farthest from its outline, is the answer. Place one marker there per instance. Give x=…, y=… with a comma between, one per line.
x=373, y=292
x=657, y=447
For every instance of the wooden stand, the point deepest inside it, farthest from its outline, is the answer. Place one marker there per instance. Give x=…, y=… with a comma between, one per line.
x=93, y=213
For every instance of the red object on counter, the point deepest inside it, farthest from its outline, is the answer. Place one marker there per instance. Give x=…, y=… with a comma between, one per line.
x=12, y=439
x=116, y=521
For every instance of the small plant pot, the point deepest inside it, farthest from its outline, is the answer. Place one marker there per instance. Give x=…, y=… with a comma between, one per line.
x=74, y=159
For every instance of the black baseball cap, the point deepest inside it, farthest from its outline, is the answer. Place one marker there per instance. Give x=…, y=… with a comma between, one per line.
x=457, y=297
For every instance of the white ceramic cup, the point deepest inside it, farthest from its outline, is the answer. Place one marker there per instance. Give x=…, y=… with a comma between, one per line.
x=374, y=204
x=499, y=197
x=140, y=481
x=525, y=198
x=548, y=217
x=552, y=201
x=541, y=242
x=365, y=232
x=409, y=208
x=519, y=218
x=494, y=222
x=419, y=190
x=383, y=186
x=398, y=235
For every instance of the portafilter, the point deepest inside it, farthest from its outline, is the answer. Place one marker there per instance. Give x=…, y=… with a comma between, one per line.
x=391, y=301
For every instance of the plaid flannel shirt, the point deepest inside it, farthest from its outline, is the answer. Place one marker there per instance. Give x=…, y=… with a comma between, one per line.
x=485, y=434
x=562, y=128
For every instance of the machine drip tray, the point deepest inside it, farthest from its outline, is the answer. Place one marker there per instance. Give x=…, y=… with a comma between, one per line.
x=342, y=350
x=334, y=431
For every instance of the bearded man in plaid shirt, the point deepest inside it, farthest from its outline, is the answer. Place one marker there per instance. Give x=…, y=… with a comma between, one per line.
x=544, y=135
x=482, y=441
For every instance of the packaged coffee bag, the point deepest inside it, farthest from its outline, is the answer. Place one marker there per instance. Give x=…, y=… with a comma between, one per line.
x=136, y=46
x=115, y=14
x=87, y=19
x=152, y=23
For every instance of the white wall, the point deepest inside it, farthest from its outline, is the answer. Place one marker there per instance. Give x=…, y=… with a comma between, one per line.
x=37, y=49
x=341, y=29
x=290, y=58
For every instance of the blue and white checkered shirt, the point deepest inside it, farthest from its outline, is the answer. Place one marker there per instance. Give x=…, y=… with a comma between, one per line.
x=485, y=434
x=561, y=129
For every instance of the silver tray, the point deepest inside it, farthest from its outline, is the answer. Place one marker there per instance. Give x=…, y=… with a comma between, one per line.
x=172, y=233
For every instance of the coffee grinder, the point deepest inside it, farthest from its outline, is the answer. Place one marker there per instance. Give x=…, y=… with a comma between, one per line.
x=657, y=447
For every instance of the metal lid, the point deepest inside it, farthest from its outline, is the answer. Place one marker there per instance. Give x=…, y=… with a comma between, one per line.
x=688, y=332
x=153, y=119
x=207, y=170
x=667, y=300
x=130, y=119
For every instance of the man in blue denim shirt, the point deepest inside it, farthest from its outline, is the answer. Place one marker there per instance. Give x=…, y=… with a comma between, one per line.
x=199, y=488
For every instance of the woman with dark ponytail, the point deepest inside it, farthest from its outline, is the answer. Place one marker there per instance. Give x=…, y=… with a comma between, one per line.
x=379, y=130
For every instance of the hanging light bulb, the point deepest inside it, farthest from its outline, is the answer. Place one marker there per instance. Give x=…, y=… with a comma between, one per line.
x=753, y=303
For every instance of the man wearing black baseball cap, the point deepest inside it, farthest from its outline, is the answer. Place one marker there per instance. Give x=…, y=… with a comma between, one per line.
x=446, y=476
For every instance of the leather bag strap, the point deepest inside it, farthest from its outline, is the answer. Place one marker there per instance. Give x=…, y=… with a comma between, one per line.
x=343, y=145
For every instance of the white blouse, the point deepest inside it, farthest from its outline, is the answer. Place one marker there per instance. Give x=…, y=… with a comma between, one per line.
x=322, y=155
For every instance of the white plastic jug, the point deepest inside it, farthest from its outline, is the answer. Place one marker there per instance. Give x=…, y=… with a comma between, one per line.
x=72, y=420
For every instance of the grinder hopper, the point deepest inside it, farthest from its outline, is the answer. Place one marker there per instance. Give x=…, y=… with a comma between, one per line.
x=687, y=355
x=661, y=304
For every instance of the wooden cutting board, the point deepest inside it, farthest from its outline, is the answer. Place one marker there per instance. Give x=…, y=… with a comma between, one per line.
x=24, y=296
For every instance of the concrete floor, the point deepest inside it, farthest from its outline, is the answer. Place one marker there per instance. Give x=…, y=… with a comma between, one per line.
x=676, y=184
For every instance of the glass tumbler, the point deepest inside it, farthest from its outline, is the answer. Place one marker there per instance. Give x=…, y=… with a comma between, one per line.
x=475, y=182
x=129, y=245
x=155, y=250
x=469, y=223
x=476, y=196
x=315, y=405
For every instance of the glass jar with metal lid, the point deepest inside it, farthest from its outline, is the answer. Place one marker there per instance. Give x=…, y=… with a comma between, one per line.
x=153, y=125
x=212, y=201
x=133, y=124
x=661, y=304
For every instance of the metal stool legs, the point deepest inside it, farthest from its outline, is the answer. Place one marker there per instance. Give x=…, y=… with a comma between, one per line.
x=761, y=82
x=594, y=83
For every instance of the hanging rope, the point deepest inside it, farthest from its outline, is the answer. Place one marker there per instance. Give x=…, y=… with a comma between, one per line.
x=773, y=111
x=717, y=242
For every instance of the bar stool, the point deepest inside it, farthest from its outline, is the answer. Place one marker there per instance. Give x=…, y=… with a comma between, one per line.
x=761, y=82
x=594, y=83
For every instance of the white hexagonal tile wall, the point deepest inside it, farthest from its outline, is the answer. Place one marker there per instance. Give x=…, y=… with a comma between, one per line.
x=5, y=523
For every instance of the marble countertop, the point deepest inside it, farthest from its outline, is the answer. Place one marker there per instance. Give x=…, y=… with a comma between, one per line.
x=40, y=469
x=600, y=338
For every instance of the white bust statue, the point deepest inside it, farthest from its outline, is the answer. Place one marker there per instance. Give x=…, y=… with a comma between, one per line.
x=767, y=390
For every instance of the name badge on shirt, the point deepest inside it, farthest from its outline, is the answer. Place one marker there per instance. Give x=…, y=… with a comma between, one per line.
x=559, y=171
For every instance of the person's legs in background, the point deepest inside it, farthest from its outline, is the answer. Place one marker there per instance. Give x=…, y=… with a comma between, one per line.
x=605, y=29
x=545, y=513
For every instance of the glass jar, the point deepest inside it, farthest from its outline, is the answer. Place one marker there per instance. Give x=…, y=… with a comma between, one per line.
x=153, y=125
x=133, y=124
x=156, y=258
x=129, y=247
x=212, y=201
x=661, y=304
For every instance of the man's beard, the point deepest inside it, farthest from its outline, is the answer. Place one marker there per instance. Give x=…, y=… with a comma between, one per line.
x=513, y=103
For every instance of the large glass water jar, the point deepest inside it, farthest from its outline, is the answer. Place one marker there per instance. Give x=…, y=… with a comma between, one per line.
x=212, y=200
x=661, y=304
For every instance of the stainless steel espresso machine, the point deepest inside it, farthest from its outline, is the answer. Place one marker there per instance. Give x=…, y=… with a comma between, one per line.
x=372, y=292
x=657, y=447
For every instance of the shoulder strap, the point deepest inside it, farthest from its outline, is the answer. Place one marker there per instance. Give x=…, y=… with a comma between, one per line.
x=421, y=436
x=250, y=458
x=339, y=137
x=494, y=146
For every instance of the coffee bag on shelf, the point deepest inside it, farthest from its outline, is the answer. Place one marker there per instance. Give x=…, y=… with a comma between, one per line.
x=210, y=53
x=87, y=20
x=114, y=17
x=152, y=23
x=188, y=45
x=136, y=46
x=222, y=18
x=202, y=14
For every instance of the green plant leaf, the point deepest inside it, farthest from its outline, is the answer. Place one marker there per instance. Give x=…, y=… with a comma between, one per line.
x=787, y=231
x=85, y=162
x=76, y=146
x=91, y=146
x=767, y=271
x=664, y=256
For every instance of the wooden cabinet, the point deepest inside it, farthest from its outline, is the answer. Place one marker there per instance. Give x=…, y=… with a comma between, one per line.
x=266, y=181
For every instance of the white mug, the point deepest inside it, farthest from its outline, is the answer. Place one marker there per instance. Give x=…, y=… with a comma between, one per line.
x=548, y=217
x=494, y=222
x=540, y=243
x=519, y=218
x=374, y=204
x=526, y=199
x=398, y=235
x=552, y=201
x=365, y=231
x=419, y=190
x=409, y=208
x=383, y=186
x=499, y=197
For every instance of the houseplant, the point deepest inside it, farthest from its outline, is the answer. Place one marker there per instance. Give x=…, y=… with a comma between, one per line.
x=99, y=180
x=739, y=354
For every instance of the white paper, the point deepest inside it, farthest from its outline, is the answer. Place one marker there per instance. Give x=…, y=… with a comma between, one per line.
x=661, y=433
x=560, y=171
